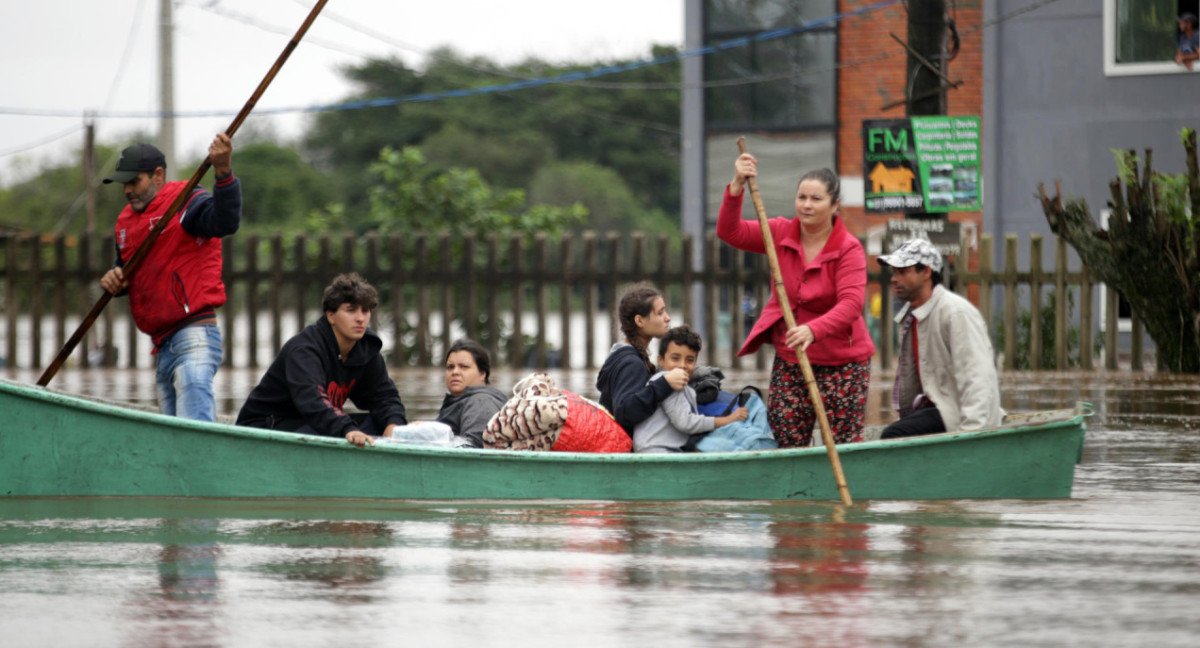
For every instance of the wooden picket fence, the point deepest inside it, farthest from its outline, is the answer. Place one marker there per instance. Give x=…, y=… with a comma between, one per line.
x=535, y=302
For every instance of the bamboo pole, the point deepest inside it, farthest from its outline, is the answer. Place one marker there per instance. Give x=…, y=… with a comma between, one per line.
x=814, y=393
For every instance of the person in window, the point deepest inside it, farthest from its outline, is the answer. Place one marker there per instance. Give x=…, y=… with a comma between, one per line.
x=1189, y=41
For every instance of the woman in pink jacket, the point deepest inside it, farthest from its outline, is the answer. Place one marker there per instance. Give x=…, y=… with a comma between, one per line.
x=824, y=270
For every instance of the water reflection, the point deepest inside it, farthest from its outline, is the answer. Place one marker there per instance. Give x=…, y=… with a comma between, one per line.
x=186, y=606
x=336, y=555
x=816, y=558
x=1117, y=564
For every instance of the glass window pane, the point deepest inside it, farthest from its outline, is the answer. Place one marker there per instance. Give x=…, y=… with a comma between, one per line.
x=757, y=15
x=794, y=87
x=782, y=159
x=1146, y=30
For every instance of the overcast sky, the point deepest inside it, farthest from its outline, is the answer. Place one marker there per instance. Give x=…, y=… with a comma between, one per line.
x=65, y=56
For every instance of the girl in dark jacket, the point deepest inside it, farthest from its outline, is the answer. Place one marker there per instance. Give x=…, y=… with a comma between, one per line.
x=624, y=381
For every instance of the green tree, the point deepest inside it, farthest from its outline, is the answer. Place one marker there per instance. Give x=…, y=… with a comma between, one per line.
x=1151, y=250
x=507, y=136
x=279, y=188
x=610, y=203
x=53, y=200
x=408, y=195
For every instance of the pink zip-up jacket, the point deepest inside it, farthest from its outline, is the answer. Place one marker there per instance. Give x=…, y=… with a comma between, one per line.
x=827, y=293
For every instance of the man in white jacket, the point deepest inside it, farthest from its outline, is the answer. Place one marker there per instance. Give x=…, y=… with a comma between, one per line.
x=945, y=373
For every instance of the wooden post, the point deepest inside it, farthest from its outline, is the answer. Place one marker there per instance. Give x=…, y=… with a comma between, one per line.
x=470, y=290
x=1060, y=303
x=1035, y=301
x=736, y=287
x=564, y=297
x=10, y=298
x=492, y=271
x=251, y=283
x=448, y=307
x=985, y=280
x=887, y=311
x=539, y=293
x=1010, y=301
x=396, y=255
x=61, y=279
x=35, y=300
x=277, y=294
x=421, y=282
x=300, y=274
x=614, y=287
x=687, y=278
x=516, y=348
x=1111, y=312
x=84, y=274
x=1135, y=342
x=590, y=298
x=1085, y=319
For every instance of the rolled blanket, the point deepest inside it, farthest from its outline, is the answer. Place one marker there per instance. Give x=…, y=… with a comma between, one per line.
x=541, y=416
x=531, y=420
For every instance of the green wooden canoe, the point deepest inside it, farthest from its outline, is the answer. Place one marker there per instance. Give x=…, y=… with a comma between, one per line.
x=53, y=444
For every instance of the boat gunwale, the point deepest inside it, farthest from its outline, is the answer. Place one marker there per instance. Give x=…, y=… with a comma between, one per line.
x=1070, y=418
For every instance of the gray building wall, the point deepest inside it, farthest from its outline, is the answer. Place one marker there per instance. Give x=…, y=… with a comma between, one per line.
x=1050, y=112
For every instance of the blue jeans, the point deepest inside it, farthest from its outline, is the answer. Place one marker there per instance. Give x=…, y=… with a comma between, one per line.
x=187, y=362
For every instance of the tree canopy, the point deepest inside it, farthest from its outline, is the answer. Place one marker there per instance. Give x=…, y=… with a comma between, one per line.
x=608, y=148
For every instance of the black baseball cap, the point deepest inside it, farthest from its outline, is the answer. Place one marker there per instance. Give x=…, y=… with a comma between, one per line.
x=137, y=158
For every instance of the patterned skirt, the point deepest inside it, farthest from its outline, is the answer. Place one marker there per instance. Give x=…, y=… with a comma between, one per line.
x=843, y=392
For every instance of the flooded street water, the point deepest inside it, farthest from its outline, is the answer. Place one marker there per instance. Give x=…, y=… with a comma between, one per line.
x=1118, y=564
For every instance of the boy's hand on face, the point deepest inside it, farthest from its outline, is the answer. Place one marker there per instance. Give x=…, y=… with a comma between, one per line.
x=677, y=378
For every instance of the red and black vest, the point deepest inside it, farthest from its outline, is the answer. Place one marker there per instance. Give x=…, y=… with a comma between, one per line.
x=180, y=279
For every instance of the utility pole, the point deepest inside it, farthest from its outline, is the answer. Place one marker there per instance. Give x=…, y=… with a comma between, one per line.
x=926, y=40
x=166, y=84
x=89, y=174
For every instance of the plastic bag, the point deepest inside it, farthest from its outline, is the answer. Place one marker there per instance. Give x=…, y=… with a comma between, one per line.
x=425, y=433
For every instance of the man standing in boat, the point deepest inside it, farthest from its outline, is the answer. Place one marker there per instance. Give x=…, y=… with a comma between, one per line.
x=329, y=362
x=945, y=373
x=176, y=291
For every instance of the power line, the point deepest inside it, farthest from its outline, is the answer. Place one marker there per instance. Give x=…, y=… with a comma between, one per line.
x=29, y=146
x=564, y=78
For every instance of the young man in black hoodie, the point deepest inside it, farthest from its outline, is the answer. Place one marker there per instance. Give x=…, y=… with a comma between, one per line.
x=333, y=360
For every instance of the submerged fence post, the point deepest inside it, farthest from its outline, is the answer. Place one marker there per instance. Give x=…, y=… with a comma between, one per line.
x=1035, y=301
x=1060, y=303
x=1010, y=301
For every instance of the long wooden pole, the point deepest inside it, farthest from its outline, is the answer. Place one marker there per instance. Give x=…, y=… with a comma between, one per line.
x=139, y=255
x=814, y=392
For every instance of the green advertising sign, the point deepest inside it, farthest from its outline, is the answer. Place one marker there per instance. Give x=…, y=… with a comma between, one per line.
x=921, y=164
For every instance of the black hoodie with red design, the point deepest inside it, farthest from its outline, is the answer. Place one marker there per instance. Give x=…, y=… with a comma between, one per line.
x=308, y=385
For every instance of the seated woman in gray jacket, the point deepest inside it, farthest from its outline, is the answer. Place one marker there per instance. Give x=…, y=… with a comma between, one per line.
x=470, y=401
